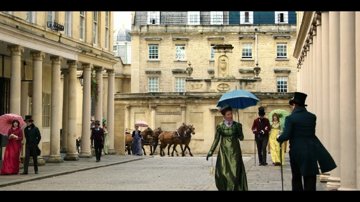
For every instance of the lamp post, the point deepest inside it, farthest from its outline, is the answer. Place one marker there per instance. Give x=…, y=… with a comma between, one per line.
x=189, y=70
x=257, y=70
x=81, y=79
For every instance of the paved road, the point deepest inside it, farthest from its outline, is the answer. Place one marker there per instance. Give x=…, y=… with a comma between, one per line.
x=157, y=173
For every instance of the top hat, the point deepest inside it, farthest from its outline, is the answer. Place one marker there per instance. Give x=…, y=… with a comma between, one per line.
x=97, y=122
x=299, y=98
x=261, y=111
x=28, y=118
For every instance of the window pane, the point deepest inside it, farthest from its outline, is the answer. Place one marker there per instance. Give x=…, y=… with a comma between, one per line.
x=212, y=52
x=216, y=18
x=180, y=52
x=281, y=51
x=247, y=50
x=153, y=51
x=282, y=84
x=153, y=84
x=180, y=85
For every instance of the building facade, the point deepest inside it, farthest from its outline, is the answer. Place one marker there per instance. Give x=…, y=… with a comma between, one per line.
x=53, y=66
x=328, y=54
x=182, y=62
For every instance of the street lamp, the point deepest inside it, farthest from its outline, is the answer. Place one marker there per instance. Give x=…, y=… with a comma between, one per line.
x=189, y=70
x=257, y=70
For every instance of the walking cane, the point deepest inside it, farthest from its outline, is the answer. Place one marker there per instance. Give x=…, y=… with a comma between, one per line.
x=281, y=168
x=255, y=149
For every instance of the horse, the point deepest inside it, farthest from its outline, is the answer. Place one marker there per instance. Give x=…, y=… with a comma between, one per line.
x=169, y=137
x=146, y=136
x=185, y=139
x=155, y=140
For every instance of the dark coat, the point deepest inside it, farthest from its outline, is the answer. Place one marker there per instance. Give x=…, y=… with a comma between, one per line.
x=97, y=136
x=261, y=124
x=305, y=148
x=32, y=135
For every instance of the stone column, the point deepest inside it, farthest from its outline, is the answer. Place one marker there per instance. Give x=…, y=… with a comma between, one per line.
x=86, y=113
x=99, y=94
x=347, y=101
x=318, y=82
x=334, y=93
x=37, y=104
x=153, y=116
x=55, y=110
x=15, y=80
x=110, y=110
x=183, y=114
x=325, y=77
x=357, y=42
x=65, y=122
x=71, y=153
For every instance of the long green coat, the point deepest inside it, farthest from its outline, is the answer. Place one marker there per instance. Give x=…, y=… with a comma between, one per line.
x=305, y=148
x=230, y=171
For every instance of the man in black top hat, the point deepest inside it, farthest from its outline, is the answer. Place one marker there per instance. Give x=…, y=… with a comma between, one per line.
x=306, y=150
x=97, y=139
x=33, y=137
x=261, y=128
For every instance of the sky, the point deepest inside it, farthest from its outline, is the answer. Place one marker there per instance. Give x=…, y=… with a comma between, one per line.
x=122, y=19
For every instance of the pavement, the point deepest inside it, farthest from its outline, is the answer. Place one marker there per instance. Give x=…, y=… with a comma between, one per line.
x=171, y=173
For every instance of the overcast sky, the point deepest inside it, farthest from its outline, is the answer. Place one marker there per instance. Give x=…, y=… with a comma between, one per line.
x=122, y=19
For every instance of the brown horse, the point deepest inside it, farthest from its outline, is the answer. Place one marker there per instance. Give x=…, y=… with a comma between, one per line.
x=155, y=140
x=184, y=139
x=147, y=139
x=170, y=137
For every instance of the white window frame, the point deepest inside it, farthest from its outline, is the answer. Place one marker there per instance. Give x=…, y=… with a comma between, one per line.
x=68, y=23
x=153, y=17
x=193, y=17
x=95, y=26
x=216, y=17
x=180, y=84
x=277, y=17
x=282, y=84
x=212, y=53
x=153, y=84
x=82, y=25
x=31, y=16
x=180, y=52
x=281, y=50
x=242, y=17
x=107, y=33
x=153, y=53
x=247, y=52
x=50, y=17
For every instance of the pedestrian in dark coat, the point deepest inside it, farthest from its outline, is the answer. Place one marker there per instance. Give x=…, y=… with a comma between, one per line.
x=306, y=150
x=97, y=140
x=33, y=137
x=261, y=128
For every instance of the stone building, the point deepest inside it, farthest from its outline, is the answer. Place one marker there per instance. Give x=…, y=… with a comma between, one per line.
x=46, y=65
x=182, y=62
x=328, y=54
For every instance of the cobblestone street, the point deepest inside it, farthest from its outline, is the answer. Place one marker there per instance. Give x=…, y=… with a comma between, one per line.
x=142, y=173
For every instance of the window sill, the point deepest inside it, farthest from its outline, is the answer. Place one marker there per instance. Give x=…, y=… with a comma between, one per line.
x=153, y=60
x=180, y=60
x=247, y=59
x=282, y=59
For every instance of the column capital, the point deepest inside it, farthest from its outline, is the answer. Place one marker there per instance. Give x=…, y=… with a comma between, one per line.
x=86, y=66
x=37, y=55
x=110, y=71
x=98, y=69
x=56, y=59
x=153, y=106
x=127, y=106
x=15, y=49
x=71, y=63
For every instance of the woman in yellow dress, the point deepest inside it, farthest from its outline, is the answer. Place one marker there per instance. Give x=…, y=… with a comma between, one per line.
x=274, y=144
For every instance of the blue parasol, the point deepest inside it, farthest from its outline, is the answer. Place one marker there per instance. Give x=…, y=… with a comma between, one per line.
x=238, y=99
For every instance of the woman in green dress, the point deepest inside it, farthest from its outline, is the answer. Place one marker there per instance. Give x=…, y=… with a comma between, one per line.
x=230, y=170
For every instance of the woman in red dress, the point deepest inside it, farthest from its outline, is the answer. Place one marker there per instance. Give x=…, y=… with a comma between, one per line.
x=11, y=160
